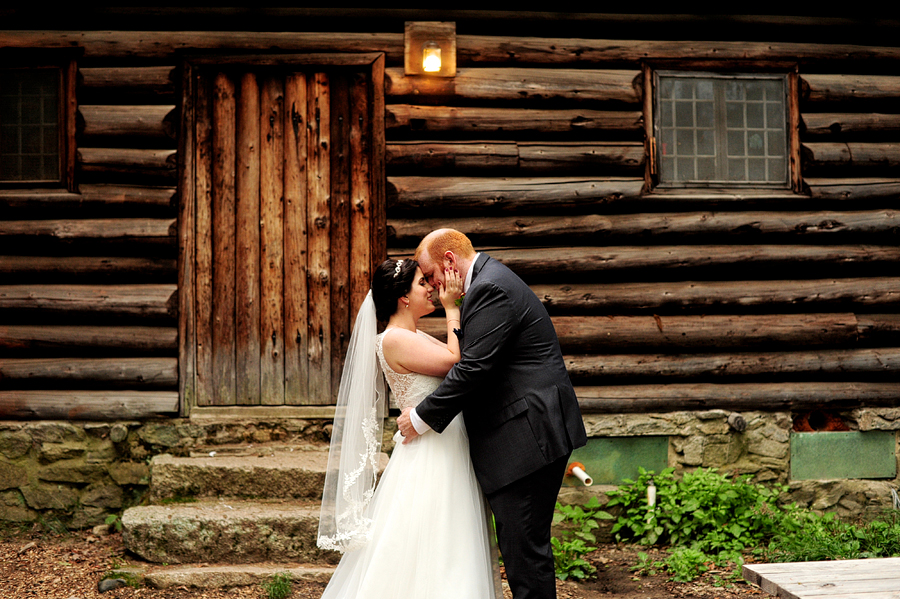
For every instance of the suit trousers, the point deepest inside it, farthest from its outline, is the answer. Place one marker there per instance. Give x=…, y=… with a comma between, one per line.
x=523, y=511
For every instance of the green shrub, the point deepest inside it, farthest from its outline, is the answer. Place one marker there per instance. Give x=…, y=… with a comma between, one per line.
x=578, y=538
x=704, y=510
x=279, y=587
x=811, y=537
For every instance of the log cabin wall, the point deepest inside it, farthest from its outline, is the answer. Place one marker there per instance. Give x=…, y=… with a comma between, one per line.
x=739, y=300
x=667, y=300
x=88, y=299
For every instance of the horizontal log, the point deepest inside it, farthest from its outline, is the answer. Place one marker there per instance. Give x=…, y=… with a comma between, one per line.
x=470, y=48
x=576, y=229
x=551, y=158
x=156, y=340
x=842, y=157
x=855, y=190
x=693, y=333
x=155, y=231
x=514, y=195
x=91, y=200
x=517, y=157
x=409, y=118
x=747, y=396
x=490, y=156
x=879, y=326
x=477, y=49
x=135, y=301
x=51, y=268
x=850, y=124
x=618, y=334
x=579, y=261
x=849, y=87
x=158, y=80
x=564, y=193
x=102, y=372
x=152, y=123
x=759, y=365
x=127, y=161
x=721, y=295
x=165, y=44
x=519, y=84
x=87, y=405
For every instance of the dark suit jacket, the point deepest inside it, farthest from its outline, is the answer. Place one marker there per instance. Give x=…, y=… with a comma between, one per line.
x=511, y=383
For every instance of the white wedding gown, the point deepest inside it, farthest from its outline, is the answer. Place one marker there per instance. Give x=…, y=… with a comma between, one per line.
x=430, y=533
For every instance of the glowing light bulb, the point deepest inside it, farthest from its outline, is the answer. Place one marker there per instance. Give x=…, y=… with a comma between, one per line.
x=431, y=57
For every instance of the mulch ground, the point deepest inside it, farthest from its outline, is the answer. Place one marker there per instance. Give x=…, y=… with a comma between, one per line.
x=70, y=566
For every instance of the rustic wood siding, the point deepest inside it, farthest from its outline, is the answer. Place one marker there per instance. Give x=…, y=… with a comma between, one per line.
x=671, y=299
x=88, y=280
x=735, y=299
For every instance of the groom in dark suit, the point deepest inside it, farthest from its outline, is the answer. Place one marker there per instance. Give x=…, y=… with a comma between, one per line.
x=519, y=406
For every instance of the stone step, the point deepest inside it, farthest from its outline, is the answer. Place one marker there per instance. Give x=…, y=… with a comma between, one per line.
x=237, y=575
x=261, y=472
x=226, y=532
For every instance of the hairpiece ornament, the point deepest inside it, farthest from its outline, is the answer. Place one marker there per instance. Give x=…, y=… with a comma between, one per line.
x=397, y=268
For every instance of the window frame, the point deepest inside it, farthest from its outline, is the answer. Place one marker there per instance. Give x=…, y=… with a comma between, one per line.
x=651, y=74
x=65, y=62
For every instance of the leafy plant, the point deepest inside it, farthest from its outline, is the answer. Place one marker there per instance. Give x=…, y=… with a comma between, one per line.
x=279, y=587
x=115, y=521
x=686, y=564
x=577, y=539
x=815, y=538
x=647, y=566
x=704, y=510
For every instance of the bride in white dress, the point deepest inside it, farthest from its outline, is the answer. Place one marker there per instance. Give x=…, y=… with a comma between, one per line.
x=423, y=533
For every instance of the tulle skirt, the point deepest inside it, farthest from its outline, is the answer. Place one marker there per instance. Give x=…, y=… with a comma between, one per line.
x=430, y=537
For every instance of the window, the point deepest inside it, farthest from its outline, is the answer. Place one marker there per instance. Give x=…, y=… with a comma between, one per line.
x=37, y=116
x=721, y=130
x=29, y=125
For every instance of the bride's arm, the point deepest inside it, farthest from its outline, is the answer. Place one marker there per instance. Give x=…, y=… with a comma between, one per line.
x=406, y=351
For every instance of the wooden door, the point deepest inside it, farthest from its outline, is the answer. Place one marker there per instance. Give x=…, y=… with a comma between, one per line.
x=284, y=221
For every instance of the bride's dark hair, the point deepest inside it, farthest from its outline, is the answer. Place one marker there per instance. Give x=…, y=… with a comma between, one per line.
x=390, y=284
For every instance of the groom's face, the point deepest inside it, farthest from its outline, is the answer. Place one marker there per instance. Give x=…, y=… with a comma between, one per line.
x=433, y=271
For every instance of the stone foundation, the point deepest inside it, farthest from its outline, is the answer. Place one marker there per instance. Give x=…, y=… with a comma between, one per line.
x=762, y=450
x=77, y=474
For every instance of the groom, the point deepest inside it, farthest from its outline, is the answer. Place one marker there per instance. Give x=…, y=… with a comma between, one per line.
x=519, y=406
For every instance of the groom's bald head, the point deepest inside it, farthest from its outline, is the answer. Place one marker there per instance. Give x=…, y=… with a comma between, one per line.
x=438, y=242
x=432, y=253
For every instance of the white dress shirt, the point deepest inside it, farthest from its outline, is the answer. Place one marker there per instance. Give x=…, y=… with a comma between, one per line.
x=419, y=424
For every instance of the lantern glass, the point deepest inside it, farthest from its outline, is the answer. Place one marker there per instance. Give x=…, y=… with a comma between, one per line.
x=431, y=57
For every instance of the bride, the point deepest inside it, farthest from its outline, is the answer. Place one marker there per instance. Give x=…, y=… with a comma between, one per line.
x=424, y=532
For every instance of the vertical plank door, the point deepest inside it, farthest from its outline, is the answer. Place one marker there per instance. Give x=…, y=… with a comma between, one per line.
x=282, y=226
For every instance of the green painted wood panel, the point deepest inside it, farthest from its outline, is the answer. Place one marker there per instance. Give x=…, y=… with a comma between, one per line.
x=609, y=460
x=836, y=455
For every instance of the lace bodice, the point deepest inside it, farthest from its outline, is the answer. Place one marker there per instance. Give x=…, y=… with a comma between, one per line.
x=409, y=389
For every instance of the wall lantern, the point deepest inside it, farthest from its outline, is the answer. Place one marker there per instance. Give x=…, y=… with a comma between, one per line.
x=429, y=48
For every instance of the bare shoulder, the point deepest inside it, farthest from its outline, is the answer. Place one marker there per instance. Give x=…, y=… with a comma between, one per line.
x=400, y=341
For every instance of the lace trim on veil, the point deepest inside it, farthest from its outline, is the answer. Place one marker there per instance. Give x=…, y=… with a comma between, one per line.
x=355, y=441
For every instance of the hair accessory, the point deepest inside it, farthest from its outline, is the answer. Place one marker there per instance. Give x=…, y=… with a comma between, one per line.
x=397, y=268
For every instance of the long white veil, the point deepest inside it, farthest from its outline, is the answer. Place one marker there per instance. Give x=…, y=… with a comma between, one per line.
x=355, y=441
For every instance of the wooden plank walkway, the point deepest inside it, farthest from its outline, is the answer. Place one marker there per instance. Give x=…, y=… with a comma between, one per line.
x=843, y=579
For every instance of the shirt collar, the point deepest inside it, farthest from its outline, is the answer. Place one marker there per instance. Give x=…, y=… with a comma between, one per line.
x=468, y=280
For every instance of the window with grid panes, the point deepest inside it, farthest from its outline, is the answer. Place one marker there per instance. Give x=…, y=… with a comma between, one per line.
x=30, y=125
x=721, y=130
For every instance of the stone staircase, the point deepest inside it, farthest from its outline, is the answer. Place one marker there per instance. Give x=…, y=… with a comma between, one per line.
x=231, y=516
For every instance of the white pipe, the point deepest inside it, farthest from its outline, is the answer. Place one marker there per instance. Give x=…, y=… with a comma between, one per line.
x=582, y=476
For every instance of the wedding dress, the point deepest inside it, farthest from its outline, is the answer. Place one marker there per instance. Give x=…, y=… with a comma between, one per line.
x=429, y=519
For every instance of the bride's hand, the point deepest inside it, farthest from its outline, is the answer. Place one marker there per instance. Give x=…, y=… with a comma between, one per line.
x=451, y=290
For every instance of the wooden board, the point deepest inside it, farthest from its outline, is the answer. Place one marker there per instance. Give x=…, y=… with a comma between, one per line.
x=859, y=579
